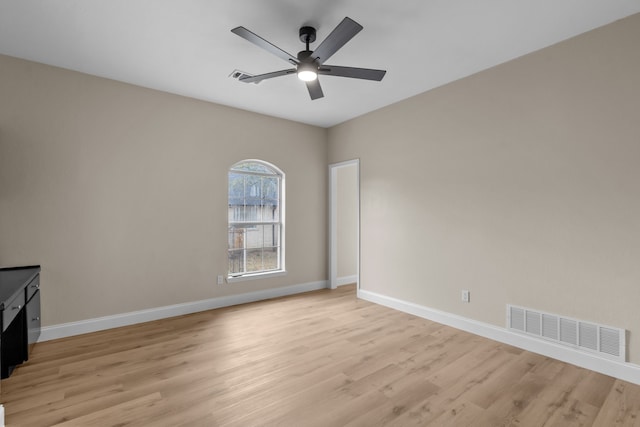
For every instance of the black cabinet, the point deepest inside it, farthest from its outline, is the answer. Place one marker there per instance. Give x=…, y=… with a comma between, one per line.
x=33, y=319
x=19, y=315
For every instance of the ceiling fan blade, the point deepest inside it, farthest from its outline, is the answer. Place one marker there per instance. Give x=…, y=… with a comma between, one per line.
x=260, y=42
x=354, y=73
x=315, y=91
x=260, y=77
x=338, y=38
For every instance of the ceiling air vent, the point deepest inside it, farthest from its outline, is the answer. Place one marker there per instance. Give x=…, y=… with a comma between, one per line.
x=603, y=340
x=236, y=74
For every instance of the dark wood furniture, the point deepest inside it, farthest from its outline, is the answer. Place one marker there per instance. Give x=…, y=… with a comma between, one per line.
x=19, y=315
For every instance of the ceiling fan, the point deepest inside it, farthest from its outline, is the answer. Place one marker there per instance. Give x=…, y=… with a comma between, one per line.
x=308, y=64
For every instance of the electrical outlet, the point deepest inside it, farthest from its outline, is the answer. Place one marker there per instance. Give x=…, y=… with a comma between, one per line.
x=466, y=297
x=220, y=279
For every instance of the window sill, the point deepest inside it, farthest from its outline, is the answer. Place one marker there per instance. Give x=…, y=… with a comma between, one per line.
x=256, y=276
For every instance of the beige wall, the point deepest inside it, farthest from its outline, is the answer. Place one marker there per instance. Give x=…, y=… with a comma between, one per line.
x=119, y=192
x=520, y=183
x=347, y=220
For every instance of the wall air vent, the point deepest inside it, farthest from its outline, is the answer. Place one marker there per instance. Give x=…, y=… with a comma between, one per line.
x=603, y=340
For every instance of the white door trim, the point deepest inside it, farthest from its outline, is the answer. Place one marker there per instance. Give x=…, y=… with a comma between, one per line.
x=333, y=221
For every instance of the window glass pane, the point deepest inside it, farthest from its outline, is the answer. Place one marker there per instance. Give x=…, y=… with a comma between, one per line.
x=262, y=259
x=270, y=189
x=274, y=212
x=236, y=237
x=236, y=186
x=271, y=235
x=236, y=197
x=254, y=237
x=270, y=259
x=254, y=167
x=252, y=199
x=254, y=260
x=270, y=199
x=236, y=261
x=262, y=235
x=255, y=228
x=236, y=213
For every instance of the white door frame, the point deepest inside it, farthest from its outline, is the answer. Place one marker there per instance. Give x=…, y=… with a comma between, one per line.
x=333, y=221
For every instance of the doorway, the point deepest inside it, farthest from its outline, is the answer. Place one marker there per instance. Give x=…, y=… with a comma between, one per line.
x=344, y=223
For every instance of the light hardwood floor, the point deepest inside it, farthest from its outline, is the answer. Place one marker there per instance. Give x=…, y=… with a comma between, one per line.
x=323, y=358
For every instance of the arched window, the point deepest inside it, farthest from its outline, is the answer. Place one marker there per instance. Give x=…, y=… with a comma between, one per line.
x=256, y=219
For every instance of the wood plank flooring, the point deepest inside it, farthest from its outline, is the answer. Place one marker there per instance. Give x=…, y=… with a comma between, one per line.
x=323, y=358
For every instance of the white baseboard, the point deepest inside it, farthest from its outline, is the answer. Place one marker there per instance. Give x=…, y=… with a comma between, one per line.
x=346, y=280
x=622, y=370
x=107, y=322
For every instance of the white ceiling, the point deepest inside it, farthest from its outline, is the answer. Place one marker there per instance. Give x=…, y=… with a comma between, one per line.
x=186, y=46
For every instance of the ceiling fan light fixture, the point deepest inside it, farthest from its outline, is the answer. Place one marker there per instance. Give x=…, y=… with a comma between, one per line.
x=307, y=72
x=308, y=63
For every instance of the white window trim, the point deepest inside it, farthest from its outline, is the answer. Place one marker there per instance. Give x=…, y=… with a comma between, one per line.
x=272, y=273
x=255, y=276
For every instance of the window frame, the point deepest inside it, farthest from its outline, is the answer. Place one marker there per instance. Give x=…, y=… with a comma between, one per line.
x=276, y=172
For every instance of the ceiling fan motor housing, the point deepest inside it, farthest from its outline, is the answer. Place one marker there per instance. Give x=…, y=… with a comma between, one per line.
x=307, y=35
x=303, y=55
